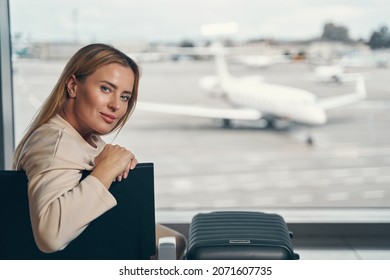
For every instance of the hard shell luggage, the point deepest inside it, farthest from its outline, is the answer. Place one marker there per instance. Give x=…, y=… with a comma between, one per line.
x=239, y=235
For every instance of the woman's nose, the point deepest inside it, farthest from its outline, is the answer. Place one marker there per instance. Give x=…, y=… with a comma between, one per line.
x=114, y=104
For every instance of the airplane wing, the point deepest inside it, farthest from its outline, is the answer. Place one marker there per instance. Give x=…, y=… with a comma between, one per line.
x=196, y=111
x=346, y=99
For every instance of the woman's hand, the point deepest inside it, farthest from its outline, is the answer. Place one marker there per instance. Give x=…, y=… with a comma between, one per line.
x=125, y=173
x=113, y=163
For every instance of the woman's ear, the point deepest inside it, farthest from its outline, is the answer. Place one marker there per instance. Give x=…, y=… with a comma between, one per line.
x=71, y=87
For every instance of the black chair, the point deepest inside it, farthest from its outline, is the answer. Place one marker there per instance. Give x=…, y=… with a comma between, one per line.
x=127, y=231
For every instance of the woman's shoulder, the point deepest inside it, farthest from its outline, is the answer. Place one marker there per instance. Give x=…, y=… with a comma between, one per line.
x=45, y=138
x=55, y=141
x=57, y=131
x=40, y=145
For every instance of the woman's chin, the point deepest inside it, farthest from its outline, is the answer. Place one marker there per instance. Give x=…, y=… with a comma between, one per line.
x=104, y=131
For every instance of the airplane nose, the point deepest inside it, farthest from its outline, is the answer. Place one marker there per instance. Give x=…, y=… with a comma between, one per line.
x=318, y=117
x=312, y=116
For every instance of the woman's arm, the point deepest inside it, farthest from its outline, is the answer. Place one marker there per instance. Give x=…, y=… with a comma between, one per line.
x=61, y=207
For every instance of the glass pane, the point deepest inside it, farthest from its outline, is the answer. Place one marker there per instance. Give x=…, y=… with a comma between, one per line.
x=279, y=52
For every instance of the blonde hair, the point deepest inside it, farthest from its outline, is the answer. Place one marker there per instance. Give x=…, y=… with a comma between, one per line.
x=82, y=64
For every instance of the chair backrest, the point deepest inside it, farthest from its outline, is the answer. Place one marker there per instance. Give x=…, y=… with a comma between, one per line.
x=127, y=231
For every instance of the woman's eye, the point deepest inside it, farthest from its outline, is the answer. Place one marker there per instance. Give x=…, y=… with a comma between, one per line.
x=125, y=97
x=105, y=89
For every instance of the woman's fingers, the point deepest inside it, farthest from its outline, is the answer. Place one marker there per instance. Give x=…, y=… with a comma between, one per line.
x=116, y=160
x=132, y=164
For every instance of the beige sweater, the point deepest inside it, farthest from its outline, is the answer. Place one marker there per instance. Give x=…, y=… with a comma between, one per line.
x=61, y=207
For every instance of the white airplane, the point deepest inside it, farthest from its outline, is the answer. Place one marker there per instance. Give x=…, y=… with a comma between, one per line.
x=261, y=61
x=334, y=74
x=142, y=57
x=253, y=99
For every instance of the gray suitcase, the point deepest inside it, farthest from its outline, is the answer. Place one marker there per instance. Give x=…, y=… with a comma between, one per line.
x=239, y=235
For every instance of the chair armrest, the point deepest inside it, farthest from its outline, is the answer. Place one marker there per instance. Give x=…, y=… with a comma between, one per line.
x=167, y=248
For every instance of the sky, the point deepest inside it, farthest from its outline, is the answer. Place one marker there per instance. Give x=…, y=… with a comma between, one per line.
x=177, y=20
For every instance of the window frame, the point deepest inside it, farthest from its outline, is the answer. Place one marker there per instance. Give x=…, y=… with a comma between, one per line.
x=7, y=141
x=359, y=215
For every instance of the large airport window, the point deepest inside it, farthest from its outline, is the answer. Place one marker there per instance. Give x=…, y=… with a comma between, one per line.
x=321, y=71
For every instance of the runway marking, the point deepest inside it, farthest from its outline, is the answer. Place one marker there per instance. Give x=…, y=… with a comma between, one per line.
x=340, y=172
x=252, y=186
x=225, y=203
x=186, y=204
x=300, y=198
x=212, y=179
x=279, y=174
x=182, y=185
x=247, y=177
x=291, y=184
x=218, y=188
x=338, y=196
x=255, y=181
x=321, y=182
x=370, y=171
x=382, y=179
x=373, y=194
x=353, y=181
x=372, y=104
x=267, y=200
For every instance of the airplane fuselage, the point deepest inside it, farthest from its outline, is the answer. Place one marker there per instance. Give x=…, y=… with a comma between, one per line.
x=277, y=100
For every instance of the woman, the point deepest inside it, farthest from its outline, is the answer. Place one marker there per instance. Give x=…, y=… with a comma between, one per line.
x=95, y=95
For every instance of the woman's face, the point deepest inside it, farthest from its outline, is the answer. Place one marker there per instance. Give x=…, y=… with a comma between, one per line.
x=99, y=102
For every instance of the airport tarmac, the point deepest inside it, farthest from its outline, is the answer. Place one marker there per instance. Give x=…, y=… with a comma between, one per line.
x=201, y=165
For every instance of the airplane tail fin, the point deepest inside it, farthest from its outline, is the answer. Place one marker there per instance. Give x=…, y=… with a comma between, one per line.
x=346, y=99
x=220, y=62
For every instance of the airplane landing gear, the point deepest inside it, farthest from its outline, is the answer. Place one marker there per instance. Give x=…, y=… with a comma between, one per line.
x=309, y=138
x=226, y=123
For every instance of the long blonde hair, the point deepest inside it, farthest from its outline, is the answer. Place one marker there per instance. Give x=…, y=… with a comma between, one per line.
x=82, y=64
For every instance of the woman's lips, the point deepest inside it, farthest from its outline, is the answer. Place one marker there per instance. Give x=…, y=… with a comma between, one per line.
x=108, y=118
